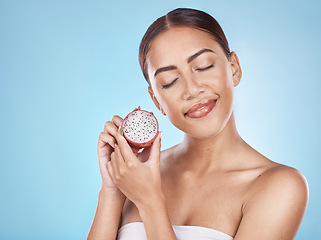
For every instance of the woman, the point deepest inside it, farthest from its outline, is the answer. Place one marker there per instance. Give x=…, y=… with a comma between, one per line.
x=212, y=185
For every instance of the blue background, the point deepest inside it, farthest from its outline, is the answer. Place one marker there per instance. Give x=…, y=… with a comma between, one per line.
x=66, y=67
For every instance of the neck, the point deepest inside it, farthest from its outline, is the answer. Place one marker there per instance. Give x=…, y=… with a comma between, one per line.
x=216, y=152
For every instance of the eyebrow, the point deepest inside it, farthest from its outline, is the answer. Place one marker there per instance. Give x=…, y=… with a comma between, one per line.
x=189, y=60
x=195, y=55
x=164, y=69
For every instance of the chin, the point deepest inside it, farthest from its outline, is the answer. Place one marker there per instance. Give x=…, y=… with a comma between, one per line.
x=209, y=128
x=203, y=128
x=202, y=131
x=203, y=134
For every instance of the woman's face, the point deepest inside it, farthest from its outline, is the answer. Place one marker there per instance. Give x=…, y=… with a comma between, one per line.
x=192, y=80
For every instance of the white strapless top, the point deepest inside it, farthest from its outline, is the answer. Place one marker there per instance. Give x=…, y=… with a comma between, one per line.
x=136, y=231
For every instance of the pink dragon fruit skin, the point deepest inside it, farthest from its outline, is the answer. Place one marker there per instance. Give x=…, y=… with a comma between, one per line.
x=140, y=128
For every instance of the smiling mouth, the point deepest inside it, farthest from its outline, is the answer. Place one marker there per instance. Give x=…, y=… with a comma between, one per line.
x=201, y=109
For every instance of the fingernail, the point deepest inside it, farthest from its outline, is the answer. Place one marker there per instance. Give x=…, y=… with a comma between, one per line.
x=121, y=130
x=160, y=134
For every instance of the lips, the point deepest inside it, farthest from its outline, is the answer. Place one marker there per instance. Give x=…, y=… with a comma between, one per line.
x=201, y=109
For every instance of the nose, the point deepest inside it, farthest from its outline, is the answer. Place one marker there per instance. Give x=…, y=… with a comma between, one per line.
x=192, y=89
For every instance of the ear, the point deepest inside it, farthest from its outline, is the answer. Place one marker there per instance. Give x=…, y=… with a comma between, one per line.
x=152, y=95
x=236, y=68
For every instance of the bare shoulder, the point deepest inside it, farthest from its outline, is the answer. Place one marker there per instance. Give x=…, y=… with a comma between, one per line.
x=279, y=183
x=280, y=179
x=277, y=200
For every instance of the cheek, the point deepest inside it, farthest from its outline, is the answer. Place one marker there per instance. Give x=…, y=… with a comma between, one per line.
x=167, y=100
x=224, y=80
x=221, y=83
x=171, y=105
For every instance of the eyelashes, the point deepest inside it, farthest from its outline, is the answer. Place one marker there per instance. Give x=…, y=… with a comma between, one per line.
x=206, y=68
x=198, y=69
x=170, y=84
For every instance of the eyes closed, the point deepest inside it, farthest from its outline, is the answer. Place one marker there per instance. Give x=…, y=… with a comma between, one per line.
x=198, y=69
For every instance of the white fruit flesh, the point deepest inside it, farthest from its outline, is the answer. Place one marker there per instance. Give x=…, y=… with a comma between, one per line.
x=140, y=126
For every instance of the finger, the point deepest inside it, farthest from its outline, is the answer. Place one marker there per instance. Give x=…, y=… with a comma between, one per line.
x=118, y=165
x=110, y=170
x=135, y=150
x=125, y=149
x=119, y=158
x=110, y=128
x=155, y=149
x=114, y=167
x=106, y=138
x=144, y=154
x=117, y=120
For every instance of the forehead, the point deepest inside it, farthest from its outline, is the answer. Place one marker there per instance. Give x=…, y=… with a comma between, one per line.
x=179, y=43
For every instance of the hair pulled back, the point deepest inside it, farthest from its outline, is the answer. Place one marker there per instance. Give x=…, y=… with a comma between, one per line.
x=181, y=17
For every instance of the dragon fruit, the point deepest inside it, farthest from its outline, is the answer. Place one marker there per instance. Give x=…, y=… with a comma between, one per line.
x=140, y=128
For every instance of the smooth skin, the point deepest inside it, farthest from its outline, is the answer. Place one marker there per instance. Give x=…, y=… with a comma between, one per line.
x=213, y=178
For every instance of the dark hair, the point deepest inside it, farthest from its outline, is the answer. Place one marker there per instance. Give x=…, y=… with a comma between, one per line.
x=178, y=18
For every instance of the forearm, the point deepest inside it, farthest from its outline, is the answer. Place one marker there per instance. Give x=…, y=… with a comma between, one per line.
x=107, y=217
x=156, y=221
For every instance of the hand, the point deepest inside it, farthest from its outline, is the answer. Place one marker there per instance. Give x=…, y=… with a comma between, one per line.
x=137, y=175
x=105, y=147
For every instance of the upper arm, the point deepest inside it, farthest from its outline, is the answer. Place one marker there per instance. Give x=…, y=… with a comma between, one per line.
x=276, y=208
